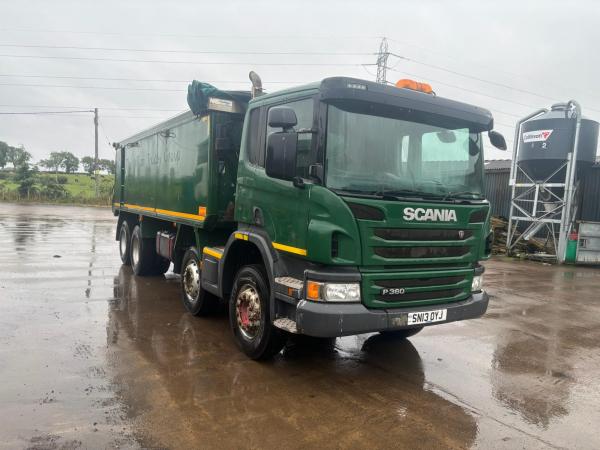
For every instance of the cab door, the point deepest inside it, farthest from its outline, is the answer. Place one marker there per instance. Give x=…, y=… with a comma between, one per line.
x=280, y=207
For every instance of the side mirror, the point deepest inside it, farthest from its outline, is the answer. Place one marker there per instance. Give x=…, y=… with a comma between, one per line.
x=282, y=117
x=497, y=140
x=281, y=154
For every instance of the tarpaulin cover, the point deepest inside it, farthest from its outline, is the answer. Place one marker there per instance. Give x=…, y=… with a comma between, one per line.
x=199, y=93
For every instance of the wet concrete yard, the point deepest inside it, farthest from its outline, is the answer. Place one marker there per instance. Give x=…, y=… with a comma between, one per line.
x=92, y=357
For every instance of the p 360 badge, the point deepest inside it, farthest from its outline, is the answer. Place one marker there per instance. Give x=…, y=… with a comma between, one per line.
x=393, y=291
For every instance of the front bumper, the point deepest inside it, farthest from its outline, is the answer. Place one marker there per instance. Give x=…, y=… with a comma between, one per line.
x=332, y=320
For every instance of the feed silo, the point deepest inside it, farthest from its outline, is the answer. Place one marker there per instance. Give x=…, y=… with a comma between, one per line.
x=551, y=149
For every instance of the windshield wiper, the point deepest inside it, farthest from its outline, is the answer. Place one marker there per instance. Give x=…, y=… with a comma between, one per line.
x=357, y=193
x=381, y=195
x=410, y=193
x=461, y=193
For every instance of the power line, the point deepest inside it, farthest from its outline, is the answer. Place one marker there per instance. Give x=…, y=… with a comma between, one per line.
x=47, y=112
x=123, y=108
x=472, y=91
x=196, y=52
x=118, y=88
x=482, y=80
x=124, y=88
x=443, y=83
x=208, y=63
x=454, y=72
x=156, y=80
x=454, y=58
x=198, y=36
x=80, y=114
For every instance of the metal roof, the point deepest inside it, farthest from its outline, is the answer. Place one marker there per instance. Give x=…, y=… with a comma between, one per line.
x=497, y=164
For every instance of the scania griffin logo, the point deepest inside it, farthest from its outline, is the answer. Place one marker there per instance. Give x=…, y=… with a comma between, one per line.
x=430, y=214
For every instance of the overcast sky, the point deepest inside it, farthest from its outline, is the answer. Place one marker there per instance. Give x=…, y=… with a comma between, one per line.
x=531, y=53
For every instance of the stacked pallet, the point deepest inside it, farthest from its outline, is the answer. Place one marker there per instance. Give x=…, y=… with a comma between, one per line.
x=523, y=248
x=500, y=230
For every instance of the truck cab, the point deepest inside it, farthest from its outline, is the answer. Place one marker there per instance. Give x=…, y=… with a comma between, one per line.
x=358, y=207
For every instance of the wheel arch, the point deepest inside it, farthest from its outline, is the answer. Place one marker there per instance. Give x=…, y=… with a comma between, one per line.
x=244, y=248
x=130, y=218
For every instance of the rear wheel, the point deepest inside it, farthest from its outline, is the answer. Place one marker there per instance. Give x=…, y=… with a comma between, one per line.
x=143, y=253
x=195, y=299
x=249, y=315
x=401, y=334
x=125, y=243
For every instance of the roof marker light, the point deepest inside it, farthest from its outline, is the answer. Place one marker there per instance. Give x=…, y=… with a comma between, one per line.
x=414, y=86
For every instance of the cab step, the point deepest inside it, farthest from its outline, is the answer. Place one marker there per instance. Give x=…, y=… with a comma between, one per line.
x=286, y=324
x=290, y=286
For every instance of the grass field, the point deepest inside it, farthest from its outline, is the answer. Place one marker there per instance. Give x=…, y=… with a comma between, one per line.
x=79, y=188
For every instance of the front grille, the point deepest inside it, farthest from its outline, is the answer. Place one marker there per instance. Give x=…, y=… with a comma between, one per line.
x=420, y=282
x=420, y=252
x=408, y=234
x=478, y=216
x=366, y=212
x=411, y=296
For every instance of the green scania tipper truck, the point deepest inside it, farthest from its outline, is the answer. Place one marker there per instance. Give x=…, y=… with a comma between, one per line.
x=331, y=209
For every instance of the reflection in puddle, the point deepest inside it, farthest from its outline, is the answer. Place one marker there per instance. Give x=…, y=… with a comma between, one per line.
x=518, y=359
x=356, y=390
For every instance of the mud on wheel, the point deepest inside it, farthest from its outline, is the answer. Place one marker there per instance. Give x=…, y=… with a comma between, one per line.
x=249, y=315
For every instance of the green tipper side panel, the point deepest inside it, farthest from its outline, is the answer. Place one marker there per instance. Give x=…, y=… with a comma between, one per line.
x=176, y=172
x=183, y=171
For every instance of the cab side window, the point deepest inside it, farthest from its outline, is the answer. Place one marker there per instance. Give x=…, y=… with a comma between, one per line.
x=304, y=113
x=253, y=147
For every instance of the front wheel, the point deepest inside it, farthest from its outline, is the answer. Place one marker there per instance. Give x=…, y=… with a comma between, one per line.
x=249, y=315
x=401, y=334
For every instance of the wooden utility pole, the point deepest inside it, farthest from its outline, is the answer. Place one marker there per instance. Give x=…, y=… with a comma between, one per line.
x=96, y=149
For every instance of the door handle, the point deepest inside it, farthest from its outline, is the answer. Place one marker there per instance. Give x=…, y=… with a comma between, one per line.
x=257, y=215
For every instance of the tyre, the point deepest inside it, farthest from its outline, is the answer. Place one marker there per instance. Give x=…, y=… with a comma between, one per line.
x=401, y=334
x=249, y=315
x=143, y=253
x=195, y=299
x=125, y=243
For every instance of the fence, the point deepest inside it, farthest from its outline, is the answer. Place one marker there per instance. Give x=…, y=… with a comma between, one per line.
x=498, y=193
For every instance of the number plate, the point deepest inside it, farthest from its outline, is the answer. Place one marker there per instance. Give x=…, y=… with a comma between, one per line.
x=417, y=318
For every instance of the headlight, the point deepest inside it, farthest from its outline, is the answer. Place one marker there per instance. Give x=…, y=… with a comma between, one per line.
x=477, y=283
x=333, y=292
x=341, y=292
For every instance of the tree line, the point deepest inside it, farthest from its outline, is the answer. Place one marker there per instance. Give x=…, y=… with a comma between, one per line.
x=56, y=161
x=27, y=175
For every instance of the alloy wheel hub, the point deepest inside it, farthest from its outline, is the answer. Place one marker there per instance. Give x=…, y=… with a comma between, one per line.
x=191, y=281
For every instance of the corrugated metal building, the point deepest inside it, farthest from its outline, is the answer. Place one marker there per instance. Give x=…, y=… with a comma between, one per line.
x=497, y=174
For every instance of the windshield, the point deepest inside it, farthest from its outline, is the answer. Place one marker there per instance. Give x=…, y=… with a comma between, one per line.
x=387, y=156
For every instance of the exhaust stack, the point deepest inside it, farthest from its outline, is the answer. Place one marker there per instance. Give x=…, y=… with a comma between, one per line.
x=257, y=88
